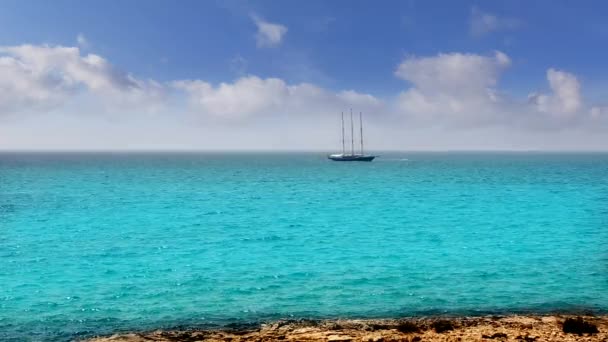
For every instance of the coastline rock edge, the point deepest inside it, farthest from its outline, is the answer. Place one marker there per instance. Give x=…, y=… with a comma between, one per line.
x=456, y=329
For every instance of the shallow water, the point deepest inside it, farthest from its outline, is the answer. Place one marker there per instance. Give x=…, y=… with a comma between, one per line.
x=94, y=243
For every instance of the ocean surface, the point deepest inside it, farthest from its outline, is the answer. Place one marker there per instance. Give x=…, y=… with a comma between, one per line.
x=99, y=243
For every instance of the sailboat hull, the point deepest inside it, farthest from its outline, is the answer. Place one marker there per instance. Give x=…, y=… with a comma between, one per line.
x=351, y=158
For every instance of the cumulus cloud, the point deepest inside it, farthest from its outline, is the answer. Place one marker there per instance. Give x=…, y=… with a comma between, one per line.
x=565, y=98
x=452, y=86
x=453, y=92
x=42, y=77
x=453, y=71
x=458, y=89
x=482, y=23
x=251, y=95
x=268, y=34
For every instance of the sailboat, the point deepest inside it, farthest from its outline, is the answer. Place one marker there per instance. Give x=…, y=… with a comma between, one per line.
x=352, y=156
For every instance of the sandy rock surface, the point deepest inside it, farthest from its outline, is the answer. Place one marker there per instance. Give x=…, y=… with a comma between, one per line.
x=507, y=328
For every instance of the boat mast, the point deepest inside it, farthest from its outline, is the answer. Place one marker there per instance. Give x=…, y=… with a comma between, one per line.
x=343, y=148
x=352, y=134
x=361, y=126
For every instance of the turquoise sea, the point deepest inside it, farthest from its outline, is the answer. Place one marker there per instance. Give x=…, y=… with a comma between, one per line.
x=100, y=242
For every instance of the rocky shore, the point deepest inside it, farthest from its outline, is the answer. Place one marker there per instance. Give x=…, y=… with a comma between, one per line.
x=490, y=328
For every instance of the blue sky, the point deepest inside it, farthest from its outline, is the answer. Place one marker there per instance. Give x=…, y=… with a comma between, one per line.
x=336, y=46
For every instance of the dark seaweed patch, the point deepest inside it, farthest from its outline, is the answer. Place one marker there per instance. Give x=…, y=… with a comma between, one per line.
x=408, y=327
x=442, y=326
x=579, y=326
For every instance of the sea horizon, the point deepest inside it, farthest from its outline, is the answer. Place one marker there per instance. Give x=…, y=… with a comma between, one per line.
x=281, y=151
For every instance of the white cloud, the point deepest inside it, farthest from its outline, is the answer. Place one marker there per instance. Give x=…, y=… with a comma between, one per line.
x=268, y=34
x=251, y=95
x=482, y=23
x=42, y=77
x=462, y=90
x=455, y=95
x=245, y=97
x=565, y=99
x=456, y=90
x=452, y=86
x=453, y=71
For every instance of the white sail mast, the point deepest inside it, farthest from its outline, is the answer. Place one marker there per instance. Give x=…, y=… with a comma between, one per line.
x=343, y=147
x=361, y=126
x=352, y=134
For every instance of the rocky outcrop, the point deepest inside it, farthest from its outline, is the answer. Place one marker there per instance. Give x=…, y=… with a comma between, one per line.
x=506, y=328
